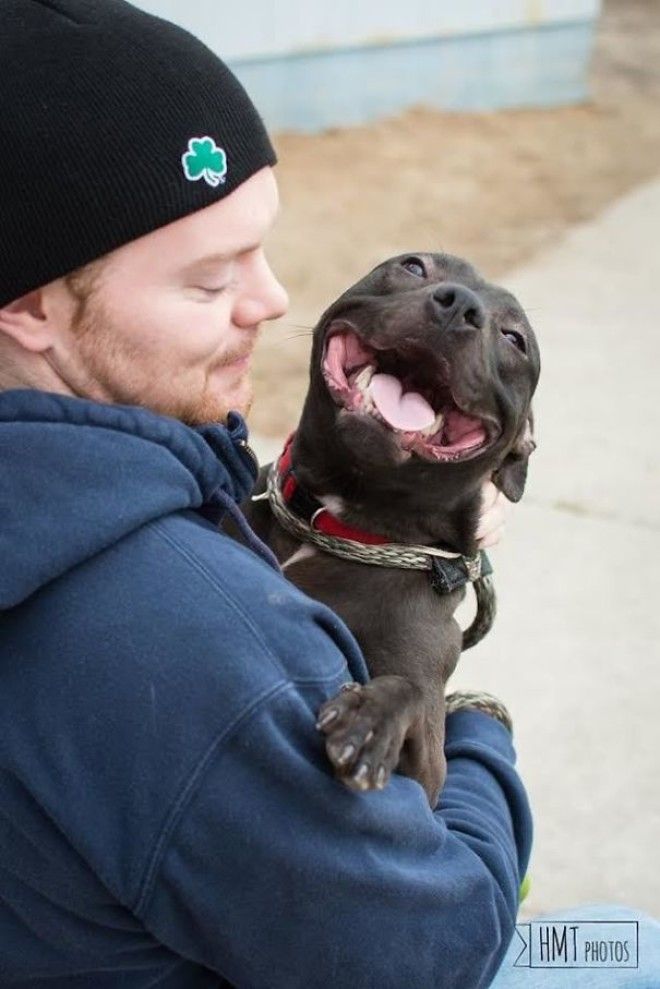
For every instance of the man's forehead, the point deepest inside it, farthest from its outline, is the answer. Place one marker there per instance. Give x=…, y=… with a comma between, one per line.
x=209, y=237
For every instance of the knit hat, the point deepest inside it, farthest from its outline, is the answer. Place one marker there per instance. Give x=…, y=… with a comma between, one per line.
x=113, y=123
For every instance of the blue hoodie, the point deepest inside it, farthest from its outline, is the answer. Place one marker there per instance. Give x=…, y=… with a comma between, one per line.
x=168, y=816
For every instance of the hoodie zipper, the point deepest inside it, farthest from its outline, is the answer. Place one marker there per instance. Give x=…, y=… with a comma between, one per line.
x=248, y=449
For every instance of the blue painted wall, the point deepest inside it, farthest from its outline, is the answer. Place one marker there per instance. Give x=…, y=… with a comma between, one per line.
x=521, y=67
x=318, y=64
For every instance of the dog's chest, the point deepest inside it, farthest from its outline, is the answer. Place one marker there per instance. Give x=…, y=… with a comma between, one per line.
x=396, y=616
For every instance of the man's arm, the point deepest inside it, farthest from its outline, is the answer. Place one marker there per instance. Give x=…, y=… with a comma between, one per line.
x=273, y=874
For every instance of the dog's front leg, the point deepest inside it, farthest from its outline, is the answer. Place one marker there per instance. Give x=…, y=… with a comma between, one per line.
x=423, y=753
x=386, y=724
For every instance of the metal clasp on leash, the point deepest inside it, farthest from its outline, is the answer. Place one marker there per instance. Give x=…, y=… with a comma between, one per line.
x=318, y=512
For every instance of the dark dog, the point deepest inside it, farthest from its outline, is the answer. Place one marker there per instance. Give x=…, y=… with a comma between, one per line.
x=422, y=376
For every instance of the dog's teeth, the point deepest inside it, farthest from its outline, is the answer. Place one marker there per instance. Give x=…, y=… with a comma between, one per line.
x=434, y=427
x=363, y=379
x=362, y=382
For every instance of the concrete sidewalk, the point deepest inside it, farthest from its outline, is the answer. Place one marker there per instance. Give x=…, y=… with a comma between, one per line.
x=574, y=651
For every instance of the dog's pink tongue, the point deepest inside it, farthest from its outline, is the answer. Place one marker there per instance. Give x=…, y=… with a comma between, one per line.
x=408, y=412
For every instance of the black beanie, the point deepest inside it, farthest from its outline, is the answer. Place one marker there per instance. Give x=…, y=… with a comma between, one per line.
x=113, y=123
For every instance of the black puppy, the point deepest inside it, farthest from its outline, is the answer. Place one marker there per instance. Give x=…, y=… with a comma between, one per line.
x=421, y=380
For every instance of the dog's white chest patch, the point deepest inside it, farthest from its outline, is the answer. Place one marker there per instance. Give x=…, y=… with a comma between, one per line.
x=301, y=554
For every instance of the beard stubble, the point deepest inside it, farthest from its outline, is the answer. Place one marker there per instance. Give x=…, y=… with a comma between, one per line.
x=116, y=371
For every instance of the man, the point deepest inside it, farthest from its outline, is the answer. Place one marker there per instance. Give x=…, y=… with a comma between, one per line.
x=168, y=815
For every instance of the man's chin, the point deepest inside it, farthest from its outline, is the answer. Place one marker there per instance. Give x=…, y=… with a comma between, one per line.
x=212, y=408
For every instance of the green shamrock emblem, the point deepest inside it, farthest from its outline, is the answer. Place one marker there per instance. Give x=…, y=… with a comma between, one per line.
x=204, y=160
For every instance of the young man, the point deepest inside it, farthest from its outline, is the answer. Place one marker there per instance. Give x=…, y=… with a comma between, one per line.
x=168, y=816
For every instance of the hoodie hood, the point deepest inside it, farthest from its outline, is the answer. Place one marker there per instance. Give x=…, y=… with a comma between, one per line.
x=77, y=476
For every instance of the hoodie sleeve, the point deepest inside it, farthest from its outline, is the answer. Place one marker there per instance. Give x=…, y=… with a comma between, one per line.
x=273, y=874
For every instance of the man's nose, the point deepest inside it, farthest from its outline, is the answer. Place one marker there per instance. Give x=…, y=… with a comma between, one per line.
x=277, y=298
x=266, y=300
x=458, y=308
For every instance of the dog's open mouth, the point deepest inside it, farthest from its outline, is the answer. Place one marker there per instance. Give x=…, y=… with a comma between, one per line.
x=405, y=394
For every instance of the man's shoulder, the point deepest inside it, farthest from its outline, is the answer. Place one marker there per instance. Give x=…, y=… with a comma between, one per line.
x=241, y=588
x=184, y=594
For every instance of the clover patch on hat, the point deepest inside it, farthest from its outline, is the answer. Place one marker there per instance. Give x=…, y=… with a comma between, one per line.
x=204, y=160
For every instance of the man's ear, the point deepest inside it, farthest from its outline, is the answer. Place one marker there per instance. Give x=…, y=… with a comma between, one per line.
x=25, y=322
x=511, y=475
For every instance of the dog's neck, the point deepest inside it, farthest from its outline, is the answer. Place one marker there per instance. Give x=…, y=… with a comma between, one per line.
x=418, y=504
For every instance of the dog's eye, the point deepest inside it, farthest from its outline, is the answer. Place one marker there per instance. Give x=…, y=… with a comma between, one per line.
x=415, y=267
x=517, y=339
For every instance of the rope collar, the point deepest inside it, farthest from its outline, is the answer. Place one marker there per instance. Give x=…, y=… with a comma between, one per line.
x=306, y=518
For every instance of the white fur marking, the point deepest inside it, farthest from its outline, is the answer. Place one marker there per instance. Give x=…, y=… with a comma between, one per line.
x=303, y=553
x=333, y=503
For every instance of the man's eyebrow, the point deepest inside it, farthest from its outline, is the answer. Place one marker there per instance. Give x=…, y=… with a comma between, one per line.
x=210, y=259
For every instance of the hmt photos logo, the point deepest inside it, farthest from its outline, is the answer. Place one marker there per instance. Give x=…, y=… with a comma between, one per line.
x=578, y=944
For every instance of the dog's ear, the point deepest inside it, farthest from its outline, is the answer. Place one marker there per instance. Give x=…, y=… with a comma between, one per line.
x=511, y=475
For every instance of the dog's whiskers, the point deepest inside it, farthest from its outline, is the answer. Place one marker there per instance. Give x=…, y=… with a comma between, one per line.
x=293, y=336
x=307, y=331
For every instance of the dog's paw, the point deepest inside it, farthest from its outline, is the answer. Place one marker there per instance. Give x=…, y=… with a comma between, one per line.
x=365, y=726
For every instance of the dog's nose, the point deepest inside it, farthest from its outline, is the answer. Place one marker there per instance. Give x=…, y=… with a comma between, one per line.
x=459, y=307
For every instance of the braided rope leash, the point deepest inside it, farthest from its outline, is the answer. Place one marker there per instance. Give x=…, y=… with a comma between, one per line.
x=479, y=700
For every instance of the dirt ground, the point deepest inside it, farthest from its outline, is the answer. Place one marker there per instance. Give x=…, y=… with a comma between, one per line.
x=492, y=187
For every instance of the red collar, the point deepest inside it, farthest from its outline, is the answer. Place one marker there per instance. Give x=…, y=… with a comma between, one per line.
x=314, y=512
x=447, y=570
